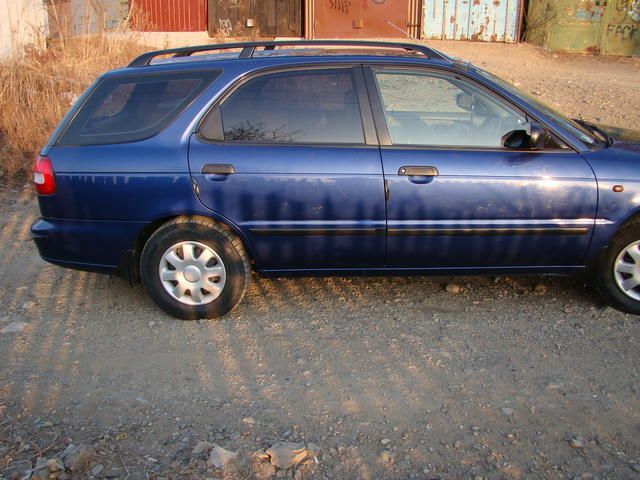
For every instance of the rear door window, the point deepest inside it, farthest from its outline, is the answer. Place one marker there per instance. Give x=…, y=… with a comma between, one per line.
x=133, y=108
x=312, y=106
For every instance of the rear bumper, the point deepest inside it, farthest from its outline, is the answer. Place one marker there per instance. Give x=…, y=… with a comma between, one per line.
x=96, y=246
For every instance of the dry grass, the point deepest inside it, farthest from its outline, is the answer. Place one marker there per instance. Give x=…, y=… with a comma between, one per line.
x=37, y=90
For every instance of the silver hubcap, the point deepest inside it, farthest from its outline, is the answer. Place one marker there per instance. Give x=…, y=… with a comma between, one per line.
x=626, y=270
x=192, y=273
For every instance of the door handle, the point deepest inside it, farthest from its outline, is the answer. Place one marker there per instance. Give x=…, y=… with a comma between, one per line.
x=218, y=169
x=418, y=171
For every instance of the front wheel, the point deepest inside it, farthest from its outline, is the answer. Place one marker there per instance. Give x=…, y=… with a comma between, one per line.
x=619, y=270
x=193, y=268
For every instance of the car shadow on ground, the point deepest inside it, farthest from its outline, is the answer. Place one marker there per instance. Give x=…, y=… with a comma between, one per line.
x=479, y=381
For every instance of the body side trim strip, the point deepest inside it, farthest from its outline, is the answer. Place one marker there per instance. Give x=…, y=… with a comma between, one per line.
x=302, y=231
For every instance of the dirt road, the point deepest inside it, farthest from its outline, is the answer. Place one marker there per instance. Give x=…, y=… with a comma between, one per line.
x=390, y=377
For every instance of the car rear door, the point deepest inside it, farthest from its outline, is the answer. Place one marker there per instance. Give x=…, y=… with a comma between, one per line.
x=291, y=158
x=457, y=198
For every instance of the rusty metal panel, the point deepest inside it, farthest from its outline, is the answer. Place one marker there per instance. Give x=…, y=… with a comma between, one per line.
x=566, y=25
x=362, y=18
x=255, y=18
x=170, y=15
x=482, y=20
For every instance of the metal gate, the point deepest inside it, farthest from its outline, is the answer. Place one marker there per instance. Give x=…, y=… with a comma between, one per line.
x=620, y=32
x=255, y=18
x=606, y=27
x=482, y=20
x=365, y=18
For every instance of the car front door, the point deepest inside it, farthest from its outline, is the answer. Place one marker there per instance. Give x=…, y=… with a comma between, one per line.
x=291, y=158
x=457, y=197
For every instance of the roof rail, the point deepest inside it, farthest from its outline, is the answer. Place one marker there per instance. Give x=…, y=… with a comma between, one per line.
x=249, y=48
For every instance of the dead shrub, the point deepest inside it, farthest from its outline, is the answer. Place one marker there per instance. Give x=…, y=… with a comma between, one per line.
x=38, y=89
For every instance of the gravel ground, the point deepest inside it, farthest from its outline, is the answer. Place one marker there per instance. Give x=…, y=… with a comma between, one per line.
x=523, y=377
x=599, y=89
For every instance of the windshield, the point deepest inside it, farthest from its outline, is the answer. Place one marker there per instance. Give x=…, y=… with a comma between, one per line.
x=570, y=125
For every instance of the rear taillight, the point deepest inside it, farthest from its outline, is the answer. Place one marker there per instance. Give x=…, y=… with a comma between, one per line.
x=43, y=176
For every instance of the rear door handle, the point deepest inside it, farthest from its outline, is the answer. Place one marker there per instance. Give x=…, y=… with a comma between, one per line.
x=418, y=171
x=218, y=169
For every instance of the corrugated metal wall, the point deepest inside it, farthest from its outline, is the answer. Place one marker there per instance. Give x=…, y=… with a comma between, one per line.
x=482, y=20
x=170, y=15
x=22, y=23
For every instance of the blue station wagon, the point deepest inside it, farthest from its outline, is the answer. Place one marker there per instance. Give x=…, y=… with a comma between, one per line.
x=193, y=166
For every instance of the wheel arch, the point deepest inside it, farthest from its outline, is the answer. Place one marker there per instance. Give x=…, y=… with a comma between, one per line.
x=602, y=245
x=130, y=265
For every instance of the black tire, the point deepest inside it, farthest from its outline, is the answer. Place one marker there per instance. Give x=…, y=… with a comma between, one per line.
x=226, y=245
x=606, y=282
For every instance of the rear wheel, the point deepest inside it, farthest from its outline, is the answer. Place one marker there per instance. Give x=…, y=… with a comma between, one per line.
x=619, y=270
x=193, y=268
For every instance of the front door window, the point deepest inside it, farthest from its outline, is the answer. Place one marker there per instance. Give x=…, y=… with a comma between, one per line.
x=432, y=109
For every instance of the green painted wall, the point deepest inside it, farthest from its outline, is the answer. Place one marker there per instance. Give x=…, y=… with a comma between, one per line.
x=606, y=27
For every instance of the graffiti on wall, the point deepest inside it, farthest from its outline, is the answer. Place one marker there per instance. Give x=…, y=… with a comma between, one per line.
x=627, y=9
x=342, y=6
x=624, y=24
x=634, y=11
x=225, y=27
x=623, y=32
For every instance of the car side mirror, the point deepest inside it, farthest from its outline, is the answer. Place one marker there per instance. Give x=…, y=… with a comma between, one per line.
x=464, y=101
x=537, y=136
x=534, y=139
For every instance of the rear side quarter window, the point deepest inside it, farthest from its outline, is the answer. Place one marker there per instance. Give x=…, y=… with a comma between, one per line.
x=131, y=108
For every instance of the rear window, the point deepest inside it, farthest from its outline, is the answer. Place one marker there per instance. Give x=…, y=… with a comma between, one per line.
x=133, y=108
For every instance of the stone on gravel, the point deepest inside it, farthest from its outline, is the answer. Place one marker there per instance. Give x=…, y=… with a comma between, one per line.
x=249, y=421
x=507, y=411
x=385, y=441
x=263, y=470
x=314, y=450
x=55, y=465
x=77, y=457
x=17, y=469
x=386, y=456
x=202, y=447
x=14, y=327
x=261, y=456
x=97, y=469
x=453, y=288
x=287, y=454
x=577, y=442
x=41, y=470
x=219, y=457
x=540, y=288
